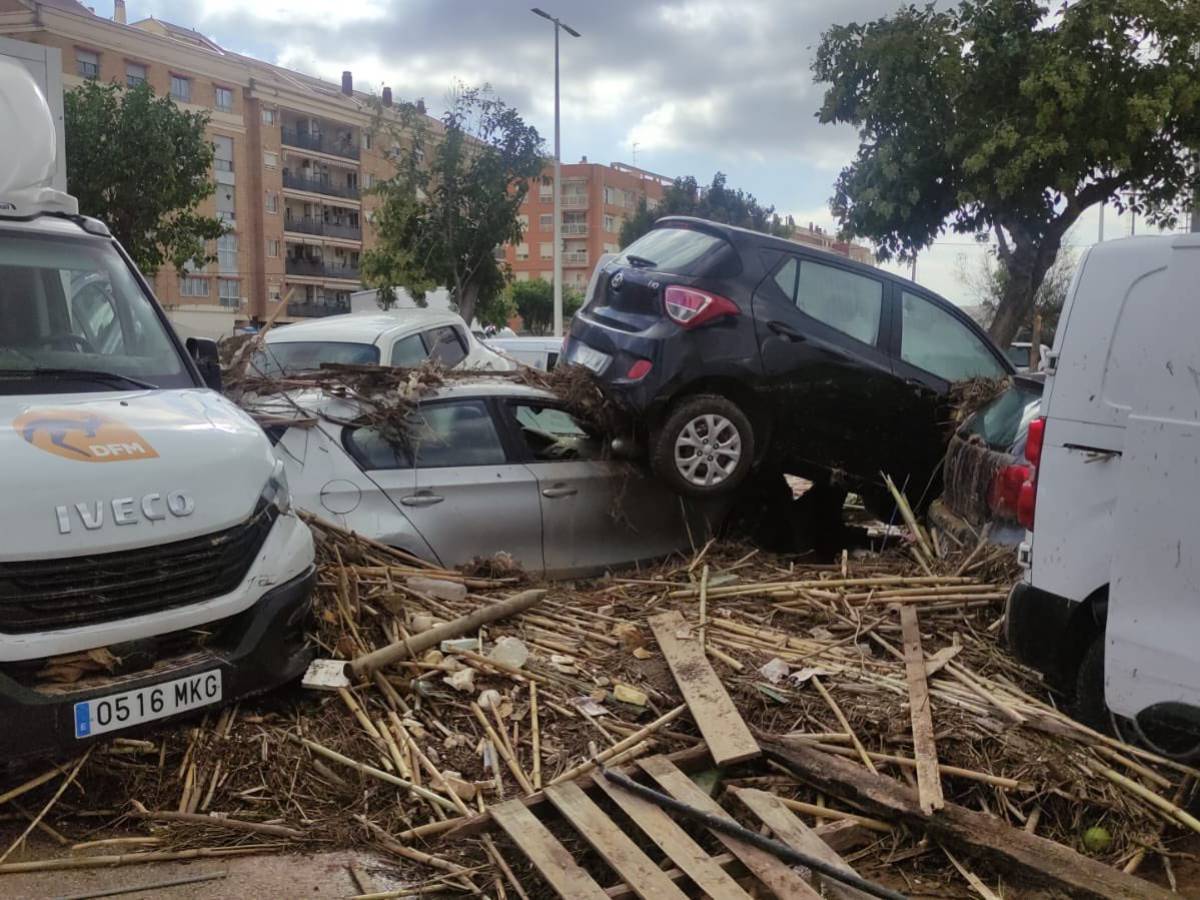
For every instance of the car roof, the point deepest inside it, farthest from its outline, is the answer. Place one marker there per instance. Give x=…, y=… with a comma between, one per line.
x=363, y=327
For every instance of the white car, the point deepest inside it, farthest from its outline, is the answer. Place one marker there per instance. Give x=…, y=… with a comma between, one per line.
x=494, y=467
x=539, y=352
x=405, y=337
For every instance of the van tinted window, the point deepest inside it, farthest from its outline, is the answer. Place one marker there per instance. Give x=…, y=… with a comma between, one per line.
x=678, y=251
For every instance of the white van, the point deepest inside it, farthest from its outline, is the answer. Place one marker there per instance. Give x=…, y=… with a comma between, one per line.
x=1109, y=605
x=149, y=545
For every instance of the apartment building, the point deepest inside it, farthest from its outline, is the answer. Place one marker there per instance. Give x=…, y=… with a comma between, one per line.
x=596, y=200
x=293, y=155
x=819, y=237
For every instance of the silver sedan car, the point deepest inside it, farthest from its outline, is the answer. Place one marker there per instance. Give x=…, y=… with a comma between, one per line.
x=492, y=467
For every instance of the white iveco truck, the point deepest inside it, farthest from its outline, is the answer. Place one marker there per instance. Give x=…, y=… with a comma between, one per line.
x=147, y=534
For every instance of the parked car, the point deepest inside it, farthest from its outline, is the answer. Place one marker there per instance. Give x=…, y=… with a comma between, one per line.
x=1020, y=353
x=393, y=338
x=493, y=466
x=740, y=349
x=539, y=352
x=986, y=466
x=1109, y=603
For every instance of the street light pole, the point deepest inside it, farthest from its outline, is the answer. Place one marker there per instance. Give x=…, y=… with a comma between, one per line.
x=558, y=286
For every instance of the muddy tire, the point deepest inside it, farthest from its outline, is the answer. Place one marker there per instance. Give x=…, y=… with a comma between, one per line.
x=704, y=447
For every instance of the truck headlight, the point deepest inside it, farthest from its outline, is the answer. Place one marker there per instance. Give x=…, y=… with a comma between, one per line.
x=276, y=492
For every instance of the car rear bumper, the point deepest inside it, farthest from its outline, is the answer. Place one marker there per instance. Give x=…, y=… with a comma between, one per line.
x=259, y=649
x=1040, y=627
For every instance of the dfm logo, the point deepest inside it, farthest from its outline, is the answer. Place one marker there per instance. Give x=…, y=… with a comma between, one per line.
x=82, y=435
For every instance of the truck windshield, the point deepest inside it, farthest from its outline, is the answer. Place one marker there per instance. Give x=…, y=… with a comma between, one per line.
x=72, y=305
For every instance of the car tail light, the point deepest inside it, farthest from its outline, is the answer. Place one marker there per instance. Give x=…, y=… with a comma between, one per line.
x=692, y=308
x=1027, y=499
x=639, y=370
x=1005, y=492
x=1033, y=441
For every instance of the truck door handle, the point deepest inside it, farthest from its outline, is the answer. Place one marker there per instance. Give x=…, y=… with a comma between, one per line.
x=424, y=498
x=559, y=490
x=786, y=331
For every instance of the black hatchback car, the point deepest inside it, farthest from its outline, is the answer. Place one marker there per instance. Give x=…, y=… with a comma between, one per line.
x=737, y=349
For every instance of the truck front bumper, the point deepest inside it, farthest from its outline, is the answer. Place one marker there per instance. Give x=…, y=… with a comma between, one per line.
x=256, y=650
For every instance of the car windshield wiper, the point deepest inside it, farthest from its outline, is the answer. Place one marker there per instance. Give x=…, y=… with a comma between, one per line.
x=640, y=262
x=78, y=375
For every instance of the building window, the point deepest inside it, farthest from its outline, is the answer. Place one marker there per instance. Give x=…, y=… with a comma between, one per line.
x=225, y=204
x=193, y=286
x=227, y=247
x=270, y=159
x=273, y=248
x=135, y=74
x=223, y=100
x=366, y=140
x=612, y=197
x=546, y=221
x=523, y=221
x=610, y=248
x=546, y=276
x=522, y=252
x=547, y=250
x=222, y=153
x=272, y=202
x=545, y=191
x=610, y=224
x=181, y=88
x=229, y=290
x=522, y=276
x=273, y=292
x=87, y=64
x=268, y=115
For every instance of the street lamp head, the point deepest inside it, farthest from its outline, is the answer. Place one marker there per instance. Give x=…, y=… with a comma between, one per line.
x=569, y=30
x=542, y=13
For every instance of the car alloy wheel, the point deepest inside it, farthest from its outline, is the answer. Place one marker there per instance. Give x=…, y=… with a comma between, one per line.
x=708, y=450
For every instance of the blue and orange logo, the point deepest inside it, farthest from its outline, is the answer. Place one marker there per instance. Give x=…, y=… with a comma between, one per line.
x=82, y=435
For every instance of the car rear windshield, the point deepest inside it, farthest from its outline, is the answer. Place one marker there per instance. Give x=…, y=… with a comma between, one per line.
x=1004, y=422
x=678, y=251
x=306, y=356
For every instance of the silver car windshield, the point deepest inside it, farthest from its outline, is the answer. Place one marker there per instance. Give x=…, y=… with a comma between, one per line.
x=307, y=356
x=74, y=305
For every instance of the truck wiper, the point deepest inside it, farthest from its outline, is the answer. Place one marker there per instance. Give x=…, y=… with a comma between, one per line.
x=78, y=375
x=640, y=262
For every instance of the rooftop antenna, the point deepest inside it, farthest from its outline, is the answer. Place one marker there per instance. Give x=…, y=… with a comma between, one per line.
x=635, y=146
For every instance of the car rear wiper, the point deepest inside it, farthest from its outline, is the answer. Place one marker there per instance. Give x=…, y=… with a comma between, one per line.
x=639, y=262
x=77, y=374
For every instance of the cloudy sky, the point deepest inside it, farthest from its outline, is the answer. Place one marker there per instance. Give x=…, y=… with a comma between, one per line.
x=682, y=87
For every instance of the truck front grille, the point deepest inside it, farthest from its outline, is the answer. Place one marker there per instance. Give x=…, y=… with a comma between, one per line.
x=48, y=594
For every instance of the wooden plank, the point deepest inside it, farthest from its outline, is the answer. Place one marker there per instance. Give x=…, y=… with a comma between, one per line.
x=773, y=872
x=789, y=829
x=622, y=890
x=929, y=778
x=638, y=870
x=984, y=837
x=550, y=857
x=728, y=738
x=676, y=843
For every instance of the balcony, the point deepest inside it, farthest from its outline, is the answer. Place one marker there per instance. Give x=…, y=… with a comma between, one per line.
x=321, y=143
x=316, y=268
x=326, y=229
x=319, y=186
x=574, y=228
x=575, y=259
x=317, y=309
x=574, y=201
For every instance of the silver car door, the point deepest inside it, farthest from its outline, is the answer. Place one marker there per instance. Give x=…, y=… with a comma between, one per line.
x=596, y=513
x=464, y=495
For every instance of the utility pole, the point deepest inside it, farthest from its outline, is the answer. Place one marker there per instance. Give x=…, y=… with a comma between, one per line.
x=558, y=286
x=1100, y=238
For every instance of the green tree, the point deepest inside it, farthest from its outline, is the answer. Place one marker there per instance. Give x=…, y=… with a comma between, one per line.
x=533, y=301
x=716, y=202
x=453, y=201
x=141, y=165
x=1008, y=117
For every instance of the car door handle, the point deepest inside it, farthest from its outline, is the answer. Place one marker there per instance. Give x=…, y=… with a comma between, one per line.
x=559, y=490
x=786, y=331
x=422, y=499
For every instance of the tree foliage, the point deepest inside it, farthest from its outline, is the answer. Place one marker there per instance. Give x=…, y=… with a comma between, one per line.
x=453, y=200
x=141, y=165
x=1012, y=118
x=533, y=301
x=716, y=202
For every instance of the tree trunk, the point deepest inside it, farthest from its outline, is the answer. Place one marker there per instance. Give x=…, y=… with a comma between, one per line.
x=465, y=300
x=1025, y=265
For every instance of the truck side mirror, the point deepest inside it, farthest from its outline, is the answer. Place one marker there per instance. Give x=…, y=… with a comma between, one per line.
x=204, y=352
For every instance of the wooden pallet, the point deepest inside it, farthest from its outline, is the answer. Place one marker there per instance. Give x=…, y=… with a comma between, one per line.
x=686, y=864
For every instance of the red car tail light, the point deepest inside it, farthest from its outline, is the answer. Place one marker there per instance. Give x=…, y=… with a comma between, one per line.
x=1027, y=504
x=691, y=308
x=639, y=370
x=1027, y=499
x=1005, y=492
x=1034, y=440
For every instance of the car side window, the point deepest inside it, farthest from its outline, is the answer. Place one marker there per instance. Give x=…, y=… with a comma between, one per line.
x=847, y=301
x=446, y=345
x=409, y=352
x=934, y=340
x=441, y=435
x=553, y=436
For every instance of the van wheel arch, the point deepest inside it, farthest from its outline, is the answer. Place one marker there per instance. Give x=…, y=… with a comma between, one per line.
x=1086, y=623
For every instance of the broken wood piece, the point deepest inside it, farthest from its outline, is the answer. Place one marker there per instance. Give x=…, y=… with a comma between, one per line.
x=419, y=643
x=971, y=878
x=910, y=519
x=621, y=746
x=228, y=824
x=729, y=739
x=548, y=856
x=929, y=782
x=844, y=722
x=984, y=836
x=837, y=815
x=646, y=879
x=676, y=843
x=502, y=747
